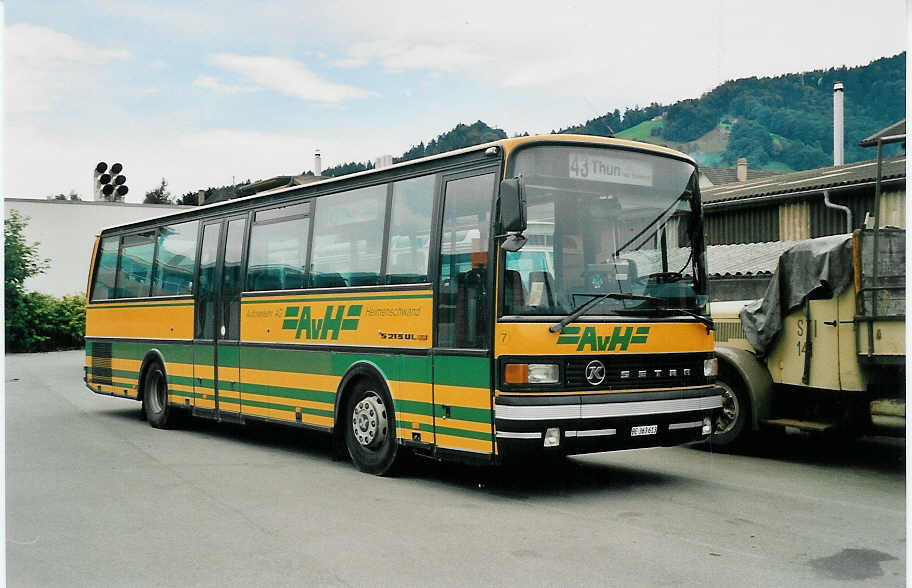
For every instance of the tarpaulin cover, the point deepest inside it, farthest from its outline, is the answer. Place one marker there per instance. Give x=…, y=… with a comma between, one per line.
x=820, y=267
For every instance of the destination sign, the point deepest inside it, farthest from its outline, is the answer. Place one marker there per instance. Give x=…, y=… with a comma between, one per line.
x=586, y=166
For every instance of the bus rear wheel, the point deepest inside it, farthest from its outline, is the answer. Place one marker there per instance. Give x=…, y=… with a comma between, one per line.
x=370, y=428
x=155, y=398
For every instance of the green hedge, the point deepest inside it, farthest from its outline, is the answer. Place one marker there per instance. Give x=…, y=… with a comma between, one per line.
x=39, y=322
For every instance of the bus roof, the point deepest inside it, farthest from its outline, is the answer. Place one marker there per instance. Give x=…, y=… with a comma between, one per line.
x=508, y=145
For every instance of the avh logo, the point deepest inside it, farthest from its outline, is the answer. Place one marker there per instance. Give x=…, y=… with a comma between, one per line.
x=617, y=341
x=299, y=320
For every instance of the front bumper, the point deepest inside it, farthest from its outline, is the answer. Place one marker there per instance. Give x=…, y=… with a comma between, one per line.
x=602, y=422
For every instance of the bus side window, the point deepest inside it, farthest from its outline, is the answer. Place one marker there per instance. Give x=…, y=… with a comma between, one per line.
x=278, y=252
x=410, y=229
x=348, y=238
x=174, y=261
x=103, y=286
x=134, y=275
x=463, y=306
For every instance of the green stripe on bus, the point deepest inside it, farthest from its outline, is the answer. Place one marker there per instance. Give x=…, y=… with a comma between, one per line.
x=450, y=370
x=97, y=371
x=410, y=425
x=184, y=394
x=140, y=305
x=291, y=393
x=137, y=351
x=341, y=298
x=228, y=356
x=425, y=428
x=463, y=433
x=455, y=370
x=412, y=407
x=283, y=407
x=462, y=413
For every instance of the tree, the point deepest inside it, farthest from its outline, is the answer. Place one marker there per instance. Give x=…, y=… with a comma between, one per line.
x=159, y=195
x=71, y=196
x=21, y=261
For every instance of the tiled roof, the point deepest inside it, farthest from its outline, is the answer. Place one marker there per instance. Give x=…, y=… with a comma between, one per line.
x=729, y=175
x=896, y=129
x=813, y=179
x=745, y=259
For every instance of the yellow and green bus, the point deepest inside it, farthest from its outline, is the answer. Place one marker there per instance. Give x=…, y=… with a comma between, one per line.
x=530, y=296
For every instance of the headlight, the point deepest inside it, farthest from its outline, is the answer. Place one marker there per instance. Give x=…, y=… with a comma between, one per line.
x=531, y=373
x=710, y=367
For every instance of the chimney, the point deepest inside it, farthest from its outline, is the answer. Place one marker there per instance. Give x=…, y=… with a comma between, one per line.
x=383, y=161
x=838, y=153
x=741, y=172
x=317, y=168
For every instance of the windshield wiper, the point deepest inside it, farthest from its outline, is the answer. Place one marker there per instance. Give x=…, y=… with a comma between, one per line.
x=706, y=321
x=576, y=313
x=710, y=325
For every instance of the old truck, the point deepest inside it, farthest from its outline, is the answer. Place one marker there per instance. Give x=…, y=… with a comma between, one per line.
x=824, y=350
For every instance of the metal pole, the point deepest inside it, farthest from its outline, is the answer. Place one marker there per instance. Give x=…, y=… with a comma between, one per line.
x=874, y=251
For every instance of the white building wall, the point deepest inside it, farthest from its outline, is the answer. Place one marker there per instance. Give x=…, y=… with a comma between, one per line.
x=65, y=231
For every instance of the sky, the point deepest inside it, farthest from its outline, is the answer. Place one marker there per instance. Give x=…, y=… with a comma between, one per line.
x=206, y=93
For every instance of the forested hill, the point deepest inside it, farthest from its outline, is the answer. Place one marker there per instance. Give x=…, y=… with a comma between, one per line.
x=783, y=121
x=461, y=136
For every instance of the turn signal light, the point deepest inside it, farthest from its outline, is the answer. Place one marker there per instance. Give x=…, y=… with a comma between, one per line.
x=531, y=373
x=516, y=373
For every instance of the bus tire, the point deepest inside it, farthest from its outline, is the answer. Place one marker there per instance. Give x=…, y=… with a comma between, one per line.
x=155, y=397
x=370, y=427
x=732, y=424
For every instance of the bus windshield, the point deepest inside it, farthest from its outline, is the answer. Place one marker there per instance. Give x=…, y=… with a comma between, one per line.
x=605, y=221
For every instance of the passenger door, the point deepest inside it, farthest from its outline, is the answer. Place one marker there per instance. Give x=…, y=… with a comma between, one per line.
x=216, y=353
x=461, y=353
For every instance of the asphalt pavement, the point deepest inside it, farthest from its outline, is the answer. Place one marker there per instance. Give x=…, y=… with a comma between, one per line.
x=96, y=497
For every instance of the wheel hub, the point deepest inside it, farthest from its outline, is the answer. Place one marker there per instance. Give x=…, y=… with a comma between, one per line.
x=369, y=422
x=728, y=416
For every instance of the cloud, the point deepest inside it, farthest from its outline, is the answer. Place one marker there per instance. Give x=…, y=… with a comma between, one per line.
x=213, y=83
x=190, y=159
x=283, y=75
x=45, y=67
x=619, y=53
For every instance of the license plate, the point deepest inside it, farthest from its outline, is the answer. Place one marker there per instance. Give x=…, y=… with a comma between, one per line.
x=644, y=430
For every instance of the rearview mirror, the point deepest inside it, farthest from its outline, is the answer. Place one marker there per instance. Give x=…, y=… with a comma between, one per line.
x=512, y=206
x=605, y=207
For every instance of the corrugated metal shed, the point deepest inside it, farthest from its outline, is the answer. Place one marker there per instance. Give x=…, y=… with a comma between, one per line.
x=826, y=221
x=804, y=181
x=747, y=225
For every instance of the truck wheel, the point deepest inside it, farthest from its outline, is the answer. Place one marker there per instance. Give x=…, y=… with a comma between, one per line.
x=155, y=398
x=370, y=428
x=731, y=427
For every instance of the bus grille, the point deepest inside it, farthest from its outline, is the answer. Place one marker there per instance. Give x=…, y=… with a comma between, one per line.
x=101, y=363
x=631, y=372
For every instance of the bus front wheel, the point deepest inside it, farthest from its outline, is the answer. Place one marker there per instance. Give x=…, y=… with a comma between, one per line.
x=370, y=428
x=155, y=398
